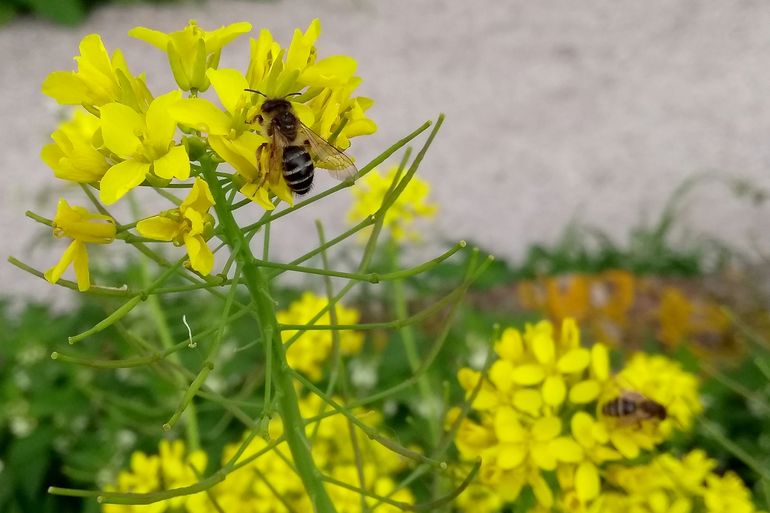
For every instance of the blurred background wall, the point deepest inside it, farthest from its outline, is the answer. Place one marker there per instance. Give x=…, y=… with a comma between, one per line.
x=556, y=110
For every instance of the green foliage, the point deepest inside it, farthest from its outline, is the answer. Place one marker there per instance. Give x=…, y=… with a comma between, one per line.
x=65, y=12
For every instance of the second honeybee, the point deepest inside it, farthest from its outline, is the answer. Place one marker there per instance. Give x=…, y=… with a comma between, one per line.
x=633, y=407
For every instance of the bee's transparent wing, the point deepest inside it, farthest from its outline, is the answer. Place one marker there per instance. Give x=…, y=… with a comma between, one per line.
x=326, y=156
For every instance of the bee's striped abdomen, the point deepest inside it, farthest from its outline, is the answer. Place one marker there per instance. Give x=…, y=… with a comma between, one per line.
x=619, y=407
x=298, y=169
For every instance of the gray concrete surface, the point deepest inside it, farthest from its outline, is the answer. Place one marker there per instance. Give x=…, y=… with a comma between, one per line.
x=556, y=109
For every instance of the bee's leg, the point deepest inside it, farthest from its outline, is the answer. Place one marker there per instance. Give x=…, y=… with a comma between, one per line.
x=262, y=172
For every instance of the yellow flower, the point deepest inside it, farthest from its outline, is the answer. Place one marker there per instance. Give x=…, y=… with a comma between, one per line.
x=411, y=205
x=677, y=485
x=171, y=468
x=98, y=80
x=229, y=135
x=478, y=498
x=73, y=154
x=146, y=142
x=190, y=224
x=324, y=105
x=313, y=348
x=584, y=452
x=83, y=227
x=664, y=381
x=727, y=493
x=192, y=50
x=253, y=487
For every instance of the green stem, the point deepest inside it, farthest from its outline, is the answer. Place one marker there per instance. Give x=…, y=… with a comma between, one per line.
x=287, y=402
x=410, y=347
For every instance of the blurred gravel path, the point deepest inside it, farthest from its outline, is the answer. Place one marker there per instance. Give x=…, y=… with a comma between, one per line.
x=555, y=109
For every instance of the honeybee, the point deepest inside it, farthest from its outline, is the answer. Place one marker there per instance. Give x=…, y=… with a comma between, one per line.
x=294, y=149
x=632, y=407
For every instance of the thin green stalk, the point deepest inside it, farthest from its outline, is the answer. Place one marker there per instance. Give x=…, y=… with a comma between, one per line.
x=713, y=432
x=287, y=402
x=427, y=398
x=164, y=335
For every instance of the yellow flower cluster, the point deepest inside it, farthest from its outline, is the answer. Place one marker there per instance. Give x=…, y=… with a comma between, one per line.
x=312, y=348
x=616, y=306
x=549, y=406
x=676, y=485
x=171, y=468
x=411, y=205
x=269, y=484
x=121, y=136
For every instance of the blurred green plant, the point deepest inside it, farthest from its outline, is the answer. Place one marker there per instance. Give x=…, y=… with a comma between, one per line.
x=66, y=12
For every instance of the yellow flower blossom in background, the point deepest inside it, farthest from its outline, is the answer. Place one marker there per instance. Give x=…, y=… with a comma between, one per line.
x=269, y=483
x=171, y=468
x=73, y=155
x=192, y=50
x=334, y=453
x=99, y=80
x=538, y=410
x=675, y=485
x=311, y=350
x=190, y=224
x=411, y=205
x=146, y=142
x=83, y=227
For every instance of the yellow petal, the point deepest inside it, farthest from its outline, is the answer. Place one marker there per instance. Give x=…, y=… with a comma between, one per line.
x=528, y=374
x=80, y=265
x=120, y=179
x=500, y=375
x=542, y=491
x=202, y=115
x=158, y=228
x=229, y=85
x=218, y=38
x=528, y=400
x=156, y=38
x=546, y=428
x=174, y=164
x=201, y=256
x=510, y=346
x=582, y=428
x=64, y=87
x=258, y=195
x=329, y=72
x=584, y=392
x=567, y=450
x=587, y=481
x=570, y=333
x=624, y=444
x=542, y=456
x=574, y=360
x=600, y=361
x=161, y=126
x=510, y=455
x=554, y=390
x=200, y=198
x=120, y=126
x=543, y=347
x=54, y=274
x=507, y=426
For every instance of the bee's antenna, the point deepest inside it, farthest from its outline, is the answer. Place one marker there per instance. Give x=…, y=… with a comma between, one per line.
x=255, y=91
x=292, y=94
